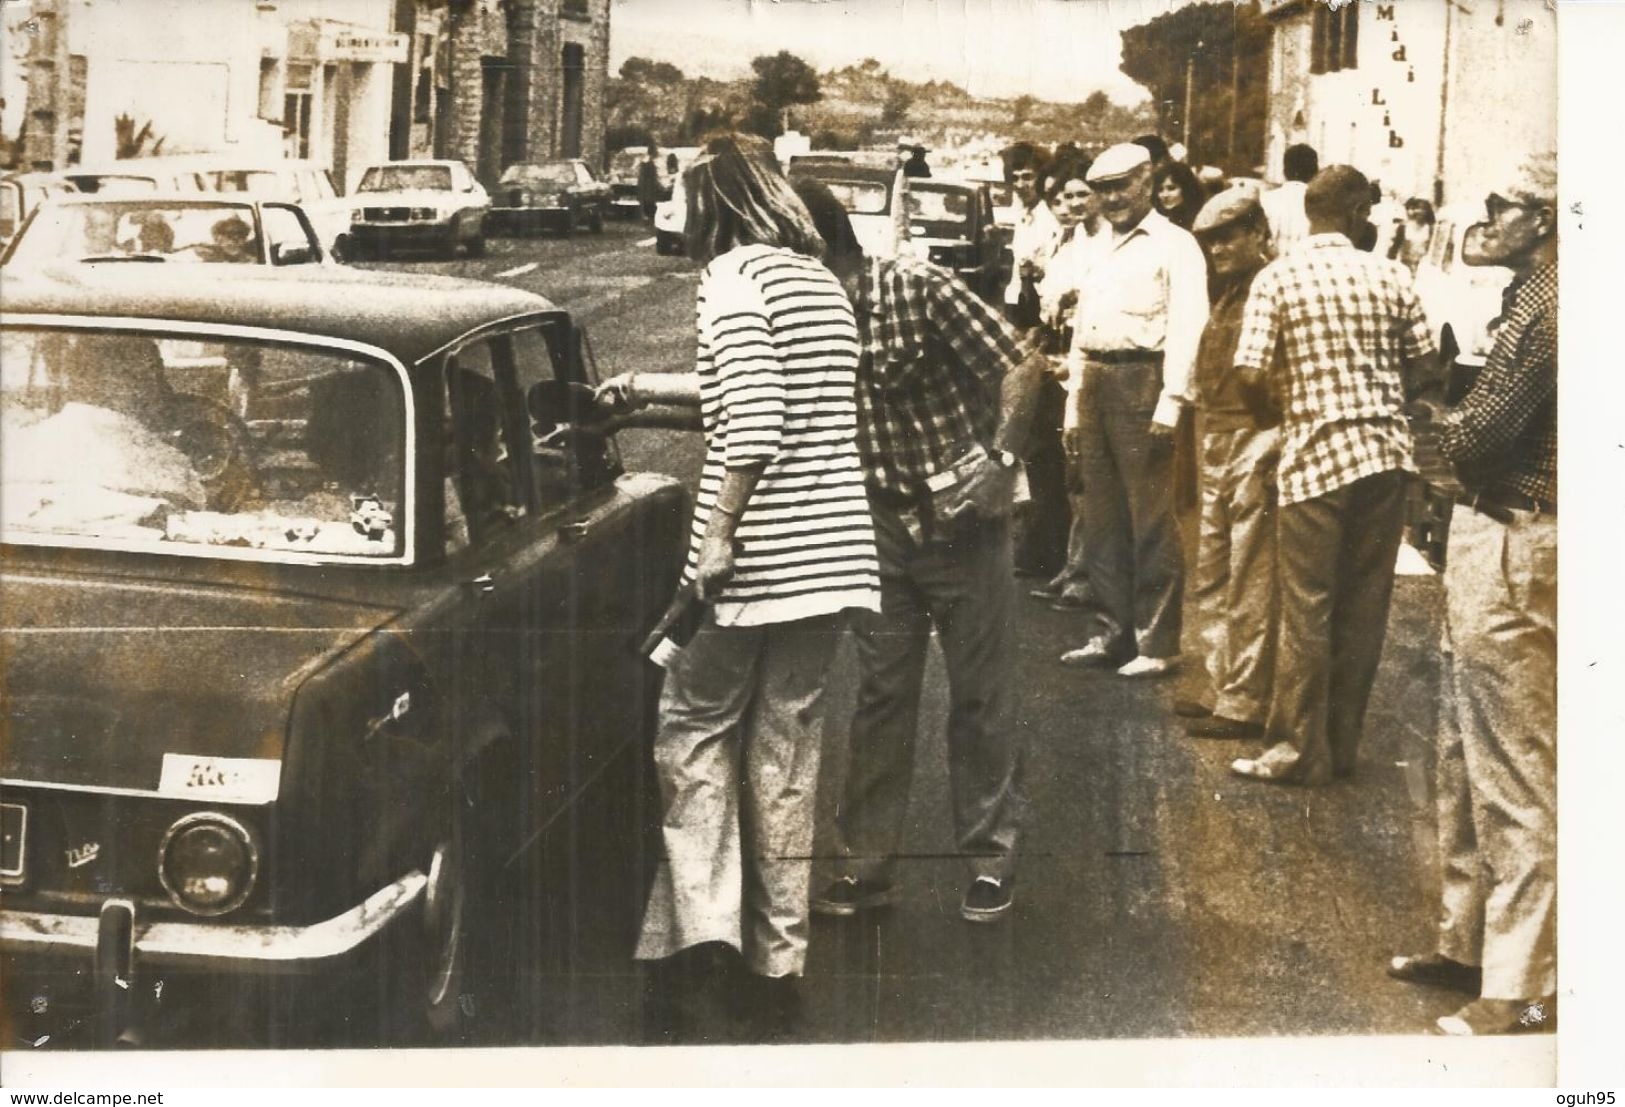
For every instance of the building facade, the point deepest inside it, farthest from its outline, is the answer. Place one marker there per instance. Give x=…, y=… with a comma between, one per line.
x=1421, y=95
x=494, y=82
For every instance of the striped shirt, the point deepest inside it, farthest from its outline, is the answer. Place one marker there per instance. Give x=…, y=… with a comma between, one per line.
x=777, y=365
x=1347, y=325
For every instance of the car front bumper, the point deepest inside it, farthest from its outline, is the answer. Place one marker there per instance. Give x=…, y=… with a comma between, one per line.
x=211, y=947
x=517, y=220
x=435, y=235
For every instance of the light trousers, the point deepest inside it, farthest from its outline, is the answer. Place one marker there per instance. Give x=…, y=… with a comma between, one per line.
x=1497, y=769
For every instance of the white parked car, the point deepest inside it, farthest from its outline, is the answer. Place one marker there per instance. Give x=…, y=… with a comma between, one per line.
x=1461, y=299
x=434, y=205
x=293, y=181
x=874, y=196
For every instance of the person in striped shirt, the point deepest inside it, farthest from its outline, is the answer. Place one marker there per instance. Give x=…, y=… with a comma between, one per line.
x=782, y=545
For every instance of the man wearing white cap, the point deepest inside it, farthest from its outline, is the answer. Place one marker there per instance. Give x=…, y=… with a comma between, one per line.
x=1142, y=304
x=1497, y=767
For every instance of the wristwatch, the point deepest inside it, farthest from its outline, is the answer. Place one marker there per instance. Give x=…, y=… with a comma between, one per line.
x=1005, y=459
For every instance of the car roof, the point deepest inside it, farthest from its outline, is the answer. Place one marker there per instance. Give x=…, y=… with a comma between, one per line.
x=447, y=162
x=842, y=171
x=411, y=315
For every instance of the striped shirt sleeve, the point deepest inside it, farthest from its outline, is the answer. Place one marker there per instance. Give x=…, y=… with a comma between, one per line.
x=750, y=374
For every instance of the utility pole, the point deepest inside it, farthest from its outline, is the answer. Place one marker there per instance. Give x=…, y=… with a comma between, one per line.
x=1190, y=88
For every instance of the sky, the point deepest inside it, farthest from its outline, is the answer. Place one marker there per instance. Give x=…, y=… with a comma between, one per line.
x=1053, y=49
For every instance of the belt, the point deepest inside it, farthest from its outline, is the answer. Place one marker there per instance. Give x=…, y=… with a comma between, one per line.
x=1124, y=357
x=1500, y=504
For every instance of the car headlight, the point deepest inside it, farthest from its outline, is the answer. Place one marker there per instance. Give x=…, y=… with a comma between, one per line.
x=358, y=215
x=208, y=863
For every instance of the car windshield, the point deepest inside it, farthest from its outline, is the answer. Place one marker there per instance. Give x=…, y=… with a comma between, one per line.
x=560, y=173
x=176, y=443
x=941, y=211
x=861, y=197
x=141, y=230
x=406, y=178
x=623, y=165
x=114, y=184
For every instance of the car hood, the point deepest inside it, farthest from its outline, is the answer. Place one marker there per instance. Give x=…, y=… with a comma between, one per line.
x=109, y=681
x=417, y=199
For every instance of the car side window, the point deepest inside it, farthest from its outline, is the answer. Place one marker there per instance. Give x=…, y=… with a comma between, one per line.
x=285, y=236
x=552, y=402
x=482, y=490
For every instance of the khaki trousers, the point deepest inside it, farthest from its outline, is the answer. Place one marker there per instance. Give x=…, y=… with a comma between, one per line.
x=1497, y=771
x=737, y=753
x=1234, y=580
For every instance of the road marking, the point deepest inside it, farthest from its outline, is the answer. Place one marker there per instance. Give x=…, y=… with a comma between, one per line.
x=644, y=242
x=520, y=269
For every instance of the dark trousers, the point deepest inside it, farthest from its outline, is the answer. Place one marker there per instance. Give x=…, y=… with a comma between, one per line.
x=1045, y=522
x=1336, y=569
x=1136, y=568
x=964, y=589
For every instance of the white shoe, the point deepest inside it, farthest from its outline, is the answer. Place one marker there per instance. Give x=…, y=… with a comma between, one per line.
x=1143, y=666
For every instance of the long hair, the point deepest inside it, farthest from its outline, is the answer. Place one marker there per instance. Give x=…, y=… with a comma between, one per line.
x=1192, y=194
x=737, y=196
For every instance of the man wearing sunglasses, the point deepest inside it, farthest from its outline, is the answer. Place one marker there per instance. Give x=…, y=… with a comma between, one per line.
x=1497, y=761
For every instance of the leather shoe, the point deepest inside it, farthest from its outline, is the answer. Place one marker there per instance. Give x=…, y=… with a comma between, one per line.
x=1096, y=654
x=1438, y=970
x=1049, y=590
x=1069, y=601
x=1192, y=709
x=1501, y=1016
x=1143, y=666
x=1217, y=726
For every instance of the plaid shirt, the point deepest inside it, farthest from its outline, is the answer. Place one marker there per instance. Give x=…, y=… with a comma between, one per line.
x=1346, y=325
x=934, y=356
x=1504, y=434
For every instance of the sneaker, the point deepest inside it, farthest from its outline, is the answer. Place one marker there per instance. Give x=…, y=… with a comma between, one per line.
x=988, y=898
x=1096, y=654
x=1438, y=970
x=849, y=895
x=1501, y=1016
x=1143, y=666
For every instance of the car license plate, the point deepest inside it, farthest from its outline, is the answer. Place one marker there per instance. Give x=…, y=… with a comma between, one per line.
x=13, y=834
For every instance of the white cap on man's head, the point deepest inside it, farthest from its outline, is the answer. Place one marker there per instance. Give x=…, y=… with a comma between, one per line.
x=1530, y=180
x=1117, y=161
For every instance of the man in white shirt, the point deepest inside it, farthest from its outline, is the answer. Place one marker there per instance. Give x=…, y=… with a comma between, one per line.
x=1283, y=206
x=1142, y=304
x=1035, y=231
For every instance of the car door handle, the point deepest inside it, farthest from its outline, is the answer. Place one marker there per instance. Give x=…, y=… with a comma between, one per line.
x=484, y=584
x=574, y=532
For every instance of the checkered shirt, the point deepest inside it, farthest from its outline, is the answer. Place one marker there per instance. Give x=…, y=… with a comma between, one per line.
x=934, y=356
x=1503, y=436
x=1345, y=325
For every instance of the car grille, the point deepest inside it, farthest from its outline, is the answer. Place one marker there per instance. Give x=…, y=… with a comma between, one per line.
x=385, y=215
x=516, y=197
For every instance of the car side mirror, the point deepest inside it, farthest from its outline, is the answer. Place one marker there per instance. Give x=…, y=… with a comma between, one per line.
x=292, y=253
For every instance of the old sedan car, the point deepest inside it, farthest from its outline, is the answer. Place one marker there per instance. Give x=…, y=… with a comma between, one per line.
x=874, y=196
x=169, y=229
x=321, y=608
x=951, y=224
x=559, y=196
x=21, y=193
x=419, y=205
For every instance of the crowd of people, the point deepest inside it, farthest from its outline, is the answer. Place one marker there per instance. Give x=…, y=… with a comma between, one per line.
x=870, y=425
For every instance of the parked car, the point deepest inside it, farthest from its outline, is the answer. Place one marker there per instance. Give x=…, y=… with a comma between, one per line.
x=433, y=205
x=306, y=183
x=951, y=223
x=138, y=176
x=873, y=196
x=322, y=597
x=170, y=229
x=558, y=196
x=21, y=193
x=1461, y=299
x=670, y=161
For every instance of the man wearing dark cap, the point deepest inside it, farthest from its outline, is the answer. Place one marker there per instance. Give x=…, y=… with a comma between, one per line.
x=1338, y=339
x=1142, y=303
x=1497, y=767
x=1234, y=580
x=943, y=385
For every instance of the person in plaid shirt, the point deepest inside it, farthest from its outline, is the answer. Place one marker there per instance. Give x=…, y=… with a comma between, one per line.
x=941, y=378
x=1336, y=336
x=1497, y=766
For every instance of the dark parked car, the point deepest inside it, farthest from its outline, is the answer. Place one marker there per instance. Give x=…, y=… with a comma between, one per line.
x=321, y=602
x=558, y=196
x=169, y=229
x=952, y=224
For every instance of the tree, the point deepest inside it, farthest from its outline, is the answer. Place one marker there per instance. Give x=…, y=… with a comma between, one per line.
x=648, y=72
x=894, y=109
x=1022, y=110
x=782, y=81
x=130, y=141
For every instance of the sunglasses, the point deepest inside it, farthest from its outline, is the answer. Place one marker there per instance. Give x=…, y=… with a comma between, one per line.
x=1496, y=206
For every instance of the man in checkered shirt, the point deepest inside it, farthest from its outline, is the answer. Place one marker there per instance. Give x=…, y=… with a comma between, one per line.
x=1497, y=765
x=940, y=377
x=1336, y=336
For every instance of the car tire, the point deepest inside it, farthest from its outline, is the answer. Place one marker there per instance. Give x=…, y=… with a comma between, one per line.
x=597, y=221
x=476, y=246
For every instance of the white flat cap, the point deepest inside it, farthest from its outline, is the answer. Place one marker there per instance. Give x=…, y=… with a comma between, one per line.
x=1117, y=161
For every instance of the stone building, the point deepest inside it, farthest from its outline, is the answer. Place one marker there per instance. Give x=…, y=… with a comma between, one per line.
x=1424, y=97
x=493, y=82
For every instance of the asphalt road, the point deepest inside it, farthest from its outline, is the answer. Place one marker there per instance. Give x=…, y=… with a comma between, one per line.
x=1158, y=897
